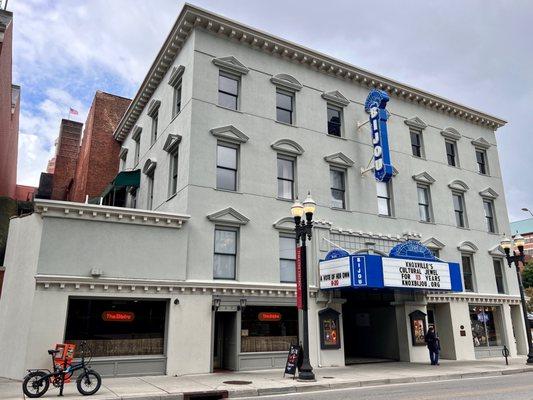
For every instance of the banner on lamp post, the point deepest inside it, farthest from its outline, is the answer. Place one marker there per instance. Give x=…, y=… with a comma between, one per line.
x=299, y=297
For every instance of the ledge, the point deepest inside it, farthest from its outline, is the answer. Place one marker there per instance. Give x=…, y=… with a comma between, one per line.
x=92, y=212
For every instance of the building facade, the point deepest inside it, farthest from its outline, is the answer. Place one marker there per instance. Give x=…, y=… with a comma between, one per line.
x=197, y=273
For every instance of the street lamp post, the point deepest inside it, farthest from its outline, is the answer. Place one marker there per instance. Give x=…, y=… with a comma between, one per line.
x=517, y=258
x=527, y=210
x=304, y=231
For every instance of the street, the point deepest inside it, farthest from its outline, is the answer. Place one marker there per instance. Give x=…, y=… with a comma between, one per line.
x=515, y=387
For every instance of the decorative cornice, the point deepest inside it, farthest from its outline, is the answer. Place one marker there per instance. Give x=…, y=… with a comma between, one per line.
x=373, y=235
x=458, y=185
x=231, y=64
x=450, y=133
x=424, y=177
x=287, y=146
x=481, y=143
x=286, y=81
x=284, y=224
x=433, y=243
x=153, y=107
x=415, y=123
x=339, y=159
x=336, y=97
x=496, y=251
x=230, y=133
x=467, y=247
x=172, y=143
x=98, y=213
x=228, y=216
x=480, y=298
x=137, y=130
x=176, y=74
x=489, y=193
x=192, y=17
x=123, y=153
x=149, y=167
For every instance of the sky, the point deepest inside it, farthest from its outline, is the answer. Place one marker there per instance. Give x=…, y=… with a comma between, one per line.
x=477, y=52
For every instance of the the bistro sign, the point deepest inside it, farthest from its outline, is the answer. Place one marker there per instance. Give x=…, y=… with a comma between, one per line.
x=118, y=316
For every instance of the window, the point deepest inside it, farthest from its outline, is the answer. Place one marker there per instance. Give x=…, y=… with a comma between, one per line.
x=488, y=206
x=150, y=197
x=416, y=142
x=177, y=97
x=424, y=205
x=285, y=178
x=268, y=328
x=451, y=153
x=481, y=158
x=173, y=175
x=435, y=252
x=155, y=121
x=337, y=181
x=468, y=273
x=498, y=273
x=225, y=253
x=287, y=259
x=384, y=198
x=485, y=322
x=334, y=121
x=123, y=160
x=459, y=209
x=137, y=150
x=133, y=198
x=228, y=90
x=226, y=167
x=284, y=106
x=117, y=327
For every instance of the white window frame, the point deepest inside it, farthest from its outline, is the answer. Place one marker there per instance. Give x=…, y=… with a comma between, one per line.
x=463, y=205
x=429, y=205
x=281, y=156
x=493, y=210
x=390, y=202
x=237, y=162
x=345, y=184
x=235, y=255
x=472, y=271
x=291, y=237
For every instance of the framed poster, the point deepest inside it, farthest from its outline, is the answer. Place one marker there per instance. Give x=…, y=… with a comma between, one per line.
x=418, y=327
x=330, y=336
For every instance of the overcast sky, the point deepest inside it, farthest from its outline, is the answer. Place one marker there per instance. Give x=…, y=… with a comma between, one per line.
x=478, y=53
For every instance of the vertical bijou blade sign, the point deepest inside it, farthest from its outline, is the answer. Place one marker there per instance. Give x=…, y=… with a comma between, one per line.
x=375, y=106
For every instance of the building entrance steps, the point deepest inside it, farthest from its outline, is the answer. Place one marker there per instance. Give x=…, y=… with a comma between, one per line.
x=268, y=382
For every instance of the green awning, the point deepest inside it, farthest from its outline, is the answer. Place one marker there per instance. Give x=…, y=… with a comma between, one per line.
x=123, y=179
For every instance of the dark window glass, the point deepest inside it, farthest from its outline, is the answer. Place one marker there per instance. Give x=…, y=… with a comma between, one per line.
x=334, y=121
x=435, y=252
x=178, y=98
x=228, y=91
x=268, y=328
x=285, y=178
x=423, y=203
x=337, y=188
x=458, y=206
x=173, y=173
x=287, y=259
x=451, y=153
x=384, y=198
x=155, y=121
x=481, y=158
x=416, y=143
x=117, y=327
x=225, y=254
x=226, y=168
x=468, y=274
x=150, y=200
x=284, y=107
x=137, y=150
x=483, y=323
x=488, y=206
x=498, y=273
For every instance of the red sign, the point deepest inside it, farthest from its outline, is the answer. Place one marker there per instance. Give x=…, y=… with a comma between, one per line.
x=299, y=298
x=118, y=316
x=269, y=316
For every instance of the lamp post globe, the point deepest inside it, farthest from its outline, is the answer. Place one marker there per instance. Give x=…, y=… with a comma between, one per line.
x=297, y=209
x=309, y=205
x=506, y=244
x=519, y=241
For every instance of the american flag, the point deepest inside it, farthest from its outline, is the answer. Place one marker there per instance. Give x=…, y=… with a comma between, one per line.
x=73, y=111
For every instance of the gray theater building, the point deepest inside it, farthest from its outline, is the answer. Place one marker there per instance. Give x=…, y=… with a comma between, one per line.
x=192, y=267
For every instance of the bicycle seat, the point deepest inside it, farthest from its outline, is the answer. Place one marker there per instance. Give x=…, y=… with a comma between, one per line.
x=52, y=352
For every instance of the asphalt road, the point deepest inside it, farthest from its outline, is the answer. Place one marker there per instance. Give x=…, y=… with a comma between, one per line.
x=507, y=387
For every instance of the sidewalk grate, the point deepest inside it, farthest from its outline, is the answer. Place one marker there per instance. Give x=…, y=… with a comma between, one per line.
x=212, y=395
x=237, y=382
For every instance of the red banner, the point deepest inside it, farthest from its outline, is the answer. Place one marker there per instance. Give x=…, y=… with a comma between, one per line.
x=299, y=298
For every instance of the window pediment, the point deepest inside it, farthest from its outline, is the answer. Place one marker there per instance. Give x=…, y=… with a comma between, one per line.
x=230, y=133
x=228, y=216
x=123, y=152
x=416, y=123
x=433, y=244
x=136, y=132
x=489, y=193
x=458, y=185
x=288, y=146
x=149, y=166
x=450, y=133
x=339, y=159
x=481, y=143
x=231, y=64
x=172, y=143
x=496, y=251
x=175, y=75
x=467, y=247
x=424, y=177
x=153, y=107
x=286, y=81
x=284, y=224
x=336, y=97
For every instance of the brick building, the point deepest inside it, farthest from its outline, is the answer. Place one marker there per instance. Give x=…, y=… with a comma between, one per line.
x=525, y=228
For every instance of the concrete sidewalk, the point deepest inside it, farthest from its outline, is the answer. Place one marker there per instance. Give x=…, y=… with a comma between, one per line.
x=271, y=381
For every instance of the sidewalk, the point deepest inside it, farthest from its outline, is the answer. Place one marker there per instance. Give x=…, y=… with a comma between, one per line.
x=271, y=382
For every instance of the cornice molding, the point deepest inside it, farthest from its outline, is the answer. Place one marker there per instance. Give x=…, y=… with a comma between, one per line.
x=415, y=123
x=192, y=17
x=450, y=133
x=467, y=247
x=231, y=64
x=123, y=153
x=153, y=107
x=433, y=243
x=458, y=185
x=98, y=213
x=172, y=143
x=424, y=177
x=286, y=81
x=339, y=160
x=287, y=146
x=137, y=130
x=228, y=216
x=496, y=251
x=176, y=74
x=468, y=297
x=230, y=133
x=285, y=224
x=149, y=166
x=489, y=193
x=481, y=143
x=336, y=97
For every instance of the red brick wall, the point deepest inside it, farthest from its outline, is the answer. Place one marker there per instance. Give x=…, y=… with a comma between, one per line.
x=98, y=160
x=68, y=147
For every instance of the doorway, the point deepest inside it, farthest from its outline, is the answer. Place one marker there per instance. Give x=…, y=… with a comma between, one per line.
x=369, y=326
x=225, y=346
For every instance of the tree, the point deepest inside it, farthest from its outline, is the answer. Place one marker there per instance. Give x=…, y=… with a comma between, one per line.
x=527, y=275
x=529, y=293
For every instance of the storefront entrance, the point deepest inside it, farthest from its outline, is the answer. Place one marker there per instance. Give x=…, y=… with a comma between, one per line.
x=225, y=347
x=369, y=320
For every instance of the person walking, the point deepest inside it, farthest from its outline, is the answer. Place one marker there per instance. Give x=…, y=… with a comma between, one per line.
x=433, y=343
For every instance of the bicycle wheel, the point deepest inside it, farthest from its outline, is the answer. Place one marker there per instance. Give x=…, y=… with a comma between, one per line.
x=33, y=384
x=89, y=382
